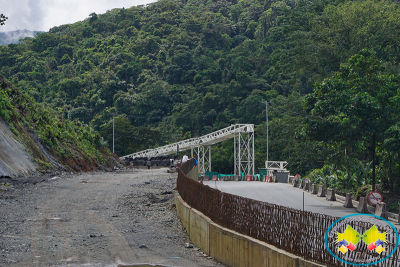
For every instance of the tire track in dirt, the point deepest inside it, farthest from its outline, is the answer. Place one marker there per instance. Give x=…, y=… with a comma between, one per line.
x=70, y=213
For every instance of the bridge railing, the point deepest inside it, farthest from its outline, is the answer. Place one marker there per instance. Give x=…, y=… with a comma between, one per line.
x=296, y=231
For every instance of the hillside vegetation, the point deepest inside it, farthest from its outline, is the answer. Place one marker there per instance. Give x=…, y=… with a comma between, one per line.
x=177, y=69
x=51, y=142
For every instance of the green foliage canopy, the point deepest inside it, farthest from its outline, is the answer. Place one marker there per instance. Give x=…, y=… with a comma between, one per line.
x=191, y=67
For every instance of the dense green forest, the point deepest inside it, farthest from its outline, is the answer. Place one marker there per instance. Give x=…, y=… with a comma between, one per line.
x=69, y=145
x=176, y=69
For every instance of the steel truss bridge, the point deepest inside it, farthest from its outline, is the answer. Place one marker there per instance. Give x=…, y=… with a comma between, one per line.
x=243, y=135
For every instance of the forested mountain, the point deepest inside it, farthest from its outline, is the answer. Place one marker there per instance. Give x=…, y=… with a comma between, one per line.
x=177, y=69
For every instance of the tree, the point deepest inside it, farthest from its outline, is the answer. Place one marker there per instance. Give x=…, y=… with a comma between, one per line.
x=345, y=29
x=93, y=17
x=2, y=19
x=354, y=105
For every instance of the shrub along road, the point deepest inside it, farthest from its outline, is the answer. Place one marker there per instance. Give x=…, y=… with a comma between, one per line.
x=94, y=219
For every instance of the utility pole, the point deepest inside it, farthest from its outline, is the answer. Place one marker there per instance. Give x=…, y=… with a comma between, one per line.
x=266, y=115
x=266, y=119
x=113, y=128
x=177, y=145
x=113, y=131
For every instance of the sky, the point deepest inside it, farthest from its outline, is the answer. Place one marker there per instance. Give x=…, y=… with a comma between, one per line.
x=41, y=15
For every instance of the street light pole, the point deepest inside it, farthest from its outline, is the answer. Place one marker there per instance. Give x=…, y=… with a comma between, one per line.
x=266, y=115
x=113, y=128
x=113, y=131
x=266, y=119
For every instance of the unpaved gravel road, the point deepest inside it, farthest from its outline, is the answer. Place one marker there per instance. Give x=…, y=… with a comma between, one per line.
x=95, y=219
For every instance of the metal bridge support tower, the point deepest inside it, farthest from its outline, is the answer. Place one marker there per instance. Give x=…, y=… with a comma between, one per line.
x=204, y=160
x=244, y=152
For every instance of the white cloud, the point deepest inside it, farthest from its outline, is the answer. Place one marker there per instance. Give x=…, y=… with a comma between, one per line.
x=19, y=14
x=41, y=15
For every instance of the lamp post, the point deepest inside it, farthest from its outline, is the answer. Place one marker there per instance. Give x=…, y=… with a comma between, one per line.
x=266, y=119
x=177, y=143
x=266, y=115
x=113, y=128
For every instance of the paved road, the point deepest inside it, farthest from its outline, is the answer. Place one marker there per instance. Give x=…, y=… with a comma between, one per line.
x=283, y=194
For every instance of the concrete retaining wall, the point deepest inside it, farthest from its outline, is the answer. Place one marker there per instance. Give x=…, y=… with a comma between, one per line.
x=199, y=230
x=183, y=211
x=194, y=173
x=231, y=248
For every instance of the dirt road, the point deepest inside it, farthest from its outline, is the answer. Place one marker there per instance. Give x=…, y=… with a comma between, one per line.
x=95, y=219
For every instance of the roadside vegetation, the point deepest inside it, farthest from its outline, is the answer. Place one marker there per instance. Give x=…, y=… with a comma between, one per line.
x=75, y=146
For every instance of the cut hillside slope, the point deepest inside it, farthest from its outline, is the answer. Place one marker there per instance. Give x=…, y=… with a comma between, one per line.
x=35, y=139
x=14, y=160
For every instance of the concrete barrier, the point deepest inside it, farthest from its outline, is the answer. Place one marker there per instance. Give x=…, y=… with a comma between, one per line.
x=314, y=189
x=362, y=206
x=199, y=230
x=306, y=185
x=183, y=211
x=206, y=178
x=348, y=203
x=321, y=191
x=237, y=178
x=381, y=211
x=301, y=184
x=398, y=219
x=194, y=173
x=231, y=248
x=330, y=194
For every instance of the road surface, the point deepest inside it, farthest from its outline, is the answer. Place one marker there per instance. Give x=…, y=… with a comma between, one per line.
x=95, y=219
x=282, y=194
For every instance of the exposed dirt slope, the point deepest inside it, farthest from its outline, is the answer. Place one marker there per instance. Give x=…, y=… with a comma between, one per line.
x=14, y=160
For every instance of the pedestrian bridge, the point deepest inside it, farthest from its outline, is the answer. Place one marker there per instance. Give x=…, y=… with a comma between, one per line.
x=243, y=135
